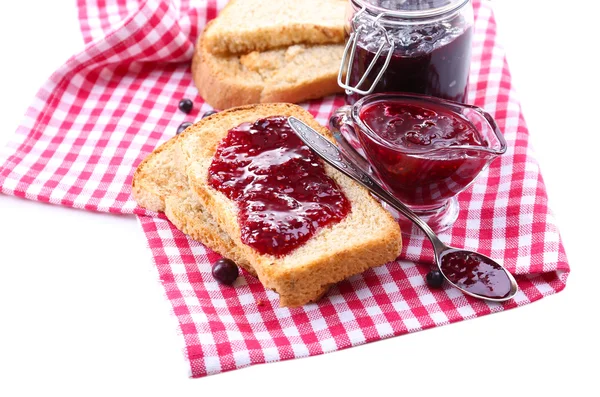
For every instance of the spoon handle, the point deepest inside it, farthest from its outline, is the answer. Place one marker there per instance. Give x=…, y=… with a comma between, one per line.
x=338, y=160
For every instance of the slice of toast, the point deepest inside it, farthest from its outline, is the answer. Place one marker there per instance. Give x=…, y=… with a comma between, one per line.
x=292, y=74
x=368, y=236
x=257, y=25
x=160, y=185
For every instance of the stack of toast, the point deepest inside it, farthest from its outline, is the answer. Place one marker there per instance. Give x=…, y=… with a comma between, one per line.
x=174, y=180
x=259, y=51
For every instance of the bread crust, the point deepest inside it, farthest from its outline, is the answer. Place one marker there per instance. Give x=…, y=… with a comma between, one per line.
x=218, y=89
x=367, y=237
x=256, y=25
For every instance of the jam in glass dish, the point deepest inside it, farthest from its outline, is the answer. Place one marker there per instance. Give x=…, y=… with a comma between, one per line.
x=424, y=150
x=413, y=46
x=279, y=185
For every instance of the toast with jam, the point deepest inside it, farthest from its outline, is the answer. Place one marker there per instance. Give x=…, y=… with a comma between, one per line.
x=299, y=223
x=244, y=26
x=160, y=184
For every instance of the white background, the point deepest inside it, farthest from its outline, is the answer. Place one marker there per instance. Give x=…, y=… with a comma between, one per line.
x=81, y=312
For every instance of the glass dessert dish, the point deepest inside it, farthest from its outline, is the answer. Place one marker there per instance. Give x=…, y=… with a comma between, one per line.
x=407, y=46
x=424, y=150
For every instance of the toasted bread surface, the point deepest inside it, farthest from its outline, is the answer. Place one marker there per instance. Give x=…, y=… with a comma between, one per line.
x=160, y=185
x=292, y=74
x=257, y=25
x=368, y=236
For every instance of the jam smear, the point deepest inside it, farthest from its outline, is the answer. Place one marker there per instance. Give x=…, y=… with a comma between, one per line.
x=278, y=183
x=432, y=60
x=411, y=149
x=412, y=126
x=476, y=273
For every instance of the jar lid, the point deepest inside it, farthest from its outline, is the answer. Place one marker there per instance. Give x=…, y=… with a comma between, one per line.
x=411, y=9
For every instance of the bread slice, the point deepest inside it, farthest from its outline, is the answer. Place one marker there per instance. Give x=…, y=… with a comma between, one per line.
x=368, y=236
x=257, y=25
x=292, y=74
x=160, y=185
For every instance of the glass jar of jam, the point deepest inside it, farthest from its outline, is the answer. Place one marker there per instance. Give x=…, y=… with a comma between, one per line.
x=416, y=46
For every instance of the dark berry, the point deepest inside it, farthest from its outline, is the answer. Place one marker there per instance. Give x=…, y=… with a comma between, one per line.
x=435, y=279
x=186, y=105
x=183, y=126
x=225, y=271
x=210, y=112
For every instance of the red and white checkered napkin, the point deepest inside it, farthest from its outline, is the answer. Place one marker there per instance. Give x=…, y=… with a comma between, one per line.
x=112, y=104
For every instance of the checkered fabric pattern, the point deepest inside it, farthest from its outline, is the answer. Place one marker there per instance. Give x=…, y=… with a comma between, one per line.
x=111, y=104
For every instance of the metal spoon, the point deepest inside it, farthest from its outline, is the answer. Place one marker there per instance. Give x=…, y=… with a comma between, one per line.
x=479, y=283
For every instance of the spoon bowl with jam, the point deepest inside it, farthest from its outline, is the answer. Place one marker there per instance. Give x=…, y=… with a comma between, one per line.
x=424, y=150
